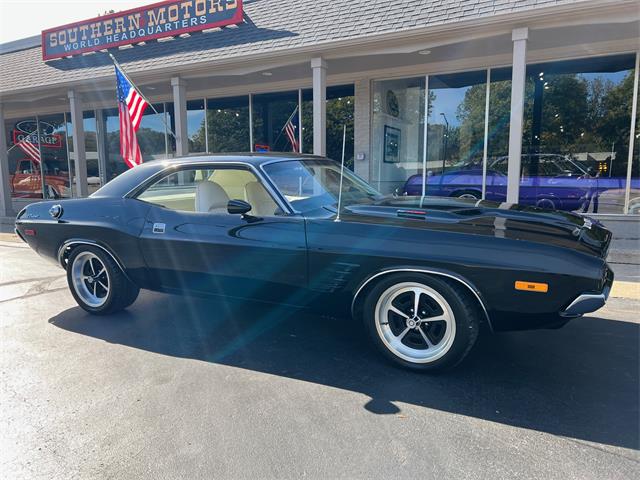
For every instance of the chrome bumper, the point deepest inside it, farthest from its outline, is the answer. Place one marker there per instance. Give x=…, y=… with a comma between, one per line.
x=585, y=303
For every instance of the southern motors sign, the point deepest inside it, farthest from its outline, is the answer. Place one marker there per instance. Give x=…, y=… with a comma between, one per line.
x=163, y=19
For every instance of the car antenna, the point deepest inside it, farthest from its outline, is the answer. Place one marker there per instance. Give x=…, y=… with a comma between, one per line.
x=344, y=139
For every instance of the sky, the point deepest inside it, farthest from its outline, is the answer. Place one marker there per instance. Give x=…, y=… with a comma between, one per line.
x=25, y=18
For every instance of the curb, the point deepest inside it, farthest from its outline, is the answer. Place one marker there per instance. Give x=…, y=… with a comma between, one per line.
x=629, y=290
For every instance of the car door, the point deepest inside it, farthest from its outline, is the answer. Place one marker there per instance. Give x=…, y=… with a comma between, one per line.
x=190, y=244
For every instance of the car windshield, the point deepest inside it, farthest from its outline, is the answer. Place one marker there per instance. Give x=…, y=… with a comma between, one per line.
x=311, y=184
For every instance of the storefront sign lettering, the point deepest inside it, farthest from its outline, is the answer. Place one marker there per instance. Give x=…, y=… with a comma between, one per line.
x=27, y=130
x=164, y=19
x=48, y=141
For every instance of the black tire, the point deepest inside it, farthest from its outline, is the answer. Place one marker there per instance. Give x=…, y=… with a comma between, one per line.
x=122, y=292
x=469, y=194
x=462, y=304
x=546, y=203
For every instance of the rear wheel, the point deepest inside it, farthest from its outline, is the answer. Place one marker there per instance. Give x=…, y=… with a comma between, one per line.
x=97, y=283
x=421, y=322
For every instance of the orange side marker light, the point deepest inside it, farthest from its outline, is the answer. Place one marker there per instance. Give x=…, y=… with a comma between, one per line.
x=532, y=287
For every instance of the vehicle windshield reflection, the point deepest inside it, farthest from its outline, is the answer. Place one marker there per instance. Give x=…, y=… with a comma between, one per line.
x=311, y=184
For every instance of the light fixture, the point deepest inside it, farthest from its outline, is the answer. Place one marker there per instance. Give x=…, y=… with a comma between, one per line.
x=148, y=87
x=267, y=74
x=424, y=52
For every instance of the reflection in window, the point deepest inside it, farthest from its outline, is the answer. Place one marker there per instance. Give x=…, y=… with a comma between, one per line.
x=634, y=193
x=196, y=128
x=576, y=134
x=55, y=155
x=455, y=134
x=153, y=138
x=340, y=112
x=91, y=149
x=498, y=134
x=38, y=164
x=152, y=134
x=270, y=114
x=227, y=124
x=398, y=134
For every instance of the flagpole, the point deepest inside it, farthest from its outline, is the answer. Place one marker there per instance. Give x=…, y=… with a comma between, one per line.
x=115, y=62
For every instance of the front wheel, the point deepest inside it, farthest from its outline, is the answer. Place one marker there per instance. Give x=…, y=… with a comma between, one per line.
x=97, y=283
x=421, y=322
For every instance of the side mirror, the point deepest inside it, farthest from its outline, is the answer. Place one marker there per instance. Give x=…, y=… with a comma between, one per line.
x=238, y=207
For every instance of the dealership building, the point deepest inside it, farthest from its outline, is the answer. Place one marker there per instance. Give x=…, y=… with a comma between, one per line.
x=530, y=101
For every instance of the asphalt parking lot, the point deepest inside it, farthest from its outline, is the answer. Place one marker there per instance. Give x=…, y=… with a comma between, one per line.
x=190, y=388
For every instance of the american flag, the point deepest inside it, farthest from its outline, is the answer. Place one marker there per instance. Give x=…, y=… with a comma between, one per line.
x=131, y=106
x=32, y=151
x=291, y=130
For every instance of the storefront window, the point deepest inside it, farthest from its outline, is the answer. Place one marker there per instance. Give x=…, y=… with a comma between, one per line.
x=114, y=164
x=340, y=112
x=576, y=135
x=91, y=150
x=498, y=134
x=397, y=150
x=56, y=165
x=634, y=193
x=196, y=129
x=38, y=164
x=227, y=125
x=455, y=134
x=153, y=137
x=271, y=111
x=152, y=133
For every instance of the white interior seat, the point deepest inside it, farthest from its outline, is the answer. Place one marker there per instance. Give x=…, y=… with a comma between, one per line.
x=210, y=197
x=261, y=202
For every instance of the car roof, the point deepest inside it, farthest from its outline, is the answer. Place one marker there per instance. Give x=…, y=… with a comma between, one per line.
x=124, y=183
x=256, y=159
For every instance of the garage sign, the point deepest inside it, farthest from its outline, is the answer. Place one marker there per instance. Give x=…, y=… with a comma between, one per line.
x=163, y=19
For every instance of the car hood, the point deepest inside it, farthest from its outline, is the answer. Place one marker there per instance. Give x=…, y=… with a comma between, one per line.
x=488, y=218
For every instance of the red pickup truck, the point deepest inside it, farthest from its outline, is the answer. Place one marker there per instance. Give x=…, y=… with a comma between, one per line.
x=26, y=181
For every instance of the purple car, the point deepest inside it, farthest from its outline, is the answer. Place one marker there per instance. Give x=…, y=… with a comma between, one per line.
x=561, y=183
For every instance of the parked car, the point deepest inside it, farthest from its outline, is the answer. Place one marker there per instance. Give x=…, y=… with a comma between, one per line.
x=26, y=181
x=423, y=275
x=560, y=183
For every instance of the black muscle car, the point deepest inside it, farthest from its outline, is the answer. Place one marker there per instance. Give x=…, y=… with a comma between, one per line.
x=423, y=274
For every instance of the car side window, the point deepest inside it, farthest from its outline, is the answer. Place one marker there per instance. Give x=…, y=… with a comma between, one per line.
x=208, y=190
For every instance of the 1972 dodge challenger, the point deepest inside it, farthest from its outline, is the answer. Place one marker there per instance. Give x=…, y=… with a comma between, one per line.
x=423, y=274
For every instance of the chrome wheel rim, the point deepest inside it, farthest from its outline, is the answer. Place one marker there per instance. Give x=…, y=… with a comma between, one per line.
x=415, y=322
x=468, y=196
x=90, y=279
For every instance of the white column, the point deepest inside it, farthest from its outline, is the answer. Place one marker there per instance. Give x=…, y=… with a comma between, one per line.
x=6, y=208
x=79, y=150
x=518, y=78
x=180, y=112
x=319, y=67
